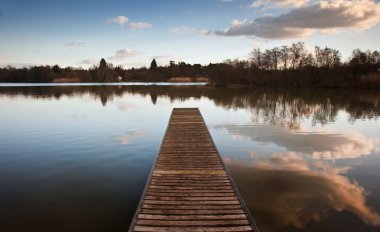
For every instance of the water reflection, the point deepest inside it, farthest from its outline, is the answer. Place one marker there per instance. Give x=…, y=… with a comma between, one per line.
x=300, y=184
x=303, y=160
x=280, y=107
x=319, y=145
x=126, y=138
x=293, y=192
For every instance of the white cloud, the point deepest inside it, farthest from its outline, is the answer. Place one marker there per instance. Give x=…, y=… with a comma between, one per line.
x=74, y=44
x=206, y=33
x=278, y=3
x=182, y=30
x=226, y=0
x=264, y=27
x=122, y=54
x=189, y=30
x=139, y=25
x=303, y=21
x=89, y=62
x=121, y=20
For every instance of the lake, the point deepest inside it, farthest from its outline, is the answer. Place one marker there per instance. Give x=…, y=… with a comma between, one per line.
x=76, y=158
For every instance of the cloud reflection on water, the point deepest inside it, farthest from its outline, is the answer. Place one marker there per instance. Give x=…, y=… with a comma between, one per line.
x=126, y=139
x=327, y=146
x=302, y=184
x=286, y=190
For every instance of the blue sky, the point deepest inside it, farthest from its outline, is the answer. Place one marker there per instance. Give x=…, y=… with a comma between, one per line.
x=131, y=33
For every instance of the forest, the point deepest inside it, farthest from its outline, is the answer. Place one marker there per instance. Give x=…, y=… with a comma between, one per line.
x=285, y=66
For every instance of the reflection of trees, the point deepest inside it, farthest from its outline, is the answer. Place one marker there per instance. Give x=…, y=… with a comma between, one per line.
x=274, y=106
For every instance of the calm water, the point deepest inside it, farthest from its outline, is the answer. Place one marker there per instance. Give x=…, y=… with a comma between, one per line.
x=76, y=158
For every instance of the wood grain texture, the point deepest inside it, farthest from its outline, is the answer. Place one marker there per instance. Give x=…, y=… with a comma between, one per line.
x=189, y=188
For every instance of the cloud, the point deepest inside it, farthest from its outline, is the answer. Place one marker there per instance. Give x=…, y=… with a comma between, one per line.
x=121, y=20
x=305, y=192
x=19, y=65
x=206, y=33
x=303, y=21
x=268, y=27
x=89, y=62
x=162, y=57
x=74, y=44
x=139, y=25
x=321, y=146
x=122, y=54
x=226, y=0
x=278, y=3
x=182, y=30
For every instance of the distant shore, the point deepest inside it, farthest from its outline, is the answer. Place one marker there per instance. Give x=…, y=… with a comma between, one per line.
x=281, y=67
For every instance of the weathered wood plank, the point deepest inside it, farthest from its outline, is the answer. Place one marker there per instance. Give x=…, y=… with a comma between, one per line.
x=181, y=180
x=198, y=207
x=192, y=217
x=189, y=188
x=179, y=194
x=191, y=223
x=197, y=172
x=193, y=229
x=192, y=212
x=188, y=202
x=189, y=183
x=181, y=198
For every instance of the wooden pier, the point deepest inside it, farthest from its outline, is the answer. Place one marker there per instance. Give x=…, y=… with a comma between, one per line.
x=189, y=188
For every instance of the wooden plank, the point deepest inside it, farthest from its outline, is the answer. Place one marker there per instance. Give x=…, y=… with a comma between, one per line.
x=208, y=207
x=189, y=188
x=192, y=212
x=188, y=202
x=179, y=194
x=192, y=217
x=191, y=223
x=197, y=172
x=196, y=180
x=213, y=198
x=192, y=229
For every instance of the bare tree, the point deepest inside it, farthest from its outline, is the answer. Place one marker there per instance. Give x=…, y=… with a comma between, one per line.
x=376, y=57
x=284, y=56
x=257, y=57
x=275, y=57
x=297, y=55
x=336, y=58
x=266, y=60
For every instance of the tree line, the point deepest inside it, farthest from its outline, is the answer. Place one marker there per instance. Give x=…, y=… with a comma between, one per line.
x=285, y=66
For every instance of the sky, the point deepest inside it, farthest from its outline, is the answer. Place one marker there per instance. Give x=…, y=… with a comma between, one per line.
x=131, y=33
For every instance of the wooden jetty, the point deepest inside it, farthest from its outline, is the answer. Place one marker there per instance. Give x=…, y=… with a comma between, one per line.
x=189, y=188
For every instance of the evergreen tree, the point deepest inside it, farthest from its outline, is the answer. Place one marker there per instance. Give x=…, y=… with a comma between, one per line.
x=103, y=63
x=153, y=65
